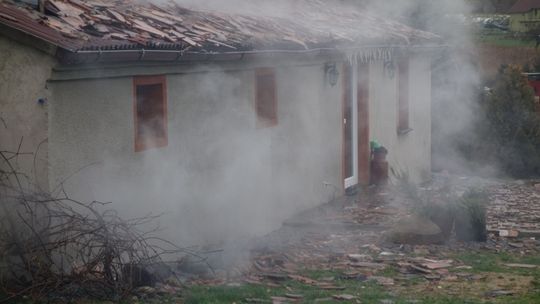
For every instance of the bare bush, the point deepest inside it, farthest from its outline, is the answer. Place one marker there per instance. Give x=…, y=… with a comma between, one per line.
x=62, y=248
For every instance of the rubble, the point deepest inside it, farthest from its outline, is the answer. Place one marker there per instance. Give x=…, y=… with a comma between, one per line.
x=294, y=296
x=509, y=233
x=434, y=265
x=360, y=254
x=368, y=265
x=499, y=293
x=90, y=25
x=281, y=300
x=514, y=210
x=344, y=297
x=382, y=280
x=360, y=257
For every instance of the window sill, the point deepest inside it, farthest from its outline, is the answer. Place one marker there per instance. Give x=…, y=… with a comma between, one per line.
x=404, y=131
x=266, y=123
x=154, y=144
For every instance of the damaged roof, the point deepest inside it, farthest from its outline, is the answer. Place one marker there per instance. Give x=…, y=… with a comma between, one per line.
x=523, y=6
x=86, y=25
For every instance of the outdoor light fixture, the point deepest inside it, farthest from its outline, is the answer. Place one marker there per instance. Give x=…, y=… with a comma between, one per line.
x=332, y=74
x=390, y=69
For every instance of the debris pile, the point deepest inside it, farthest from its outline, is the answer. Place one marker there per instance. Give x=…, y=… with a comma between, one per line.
x=515, y=210
x=358, y=252
x=128, y=24
x=55, y=248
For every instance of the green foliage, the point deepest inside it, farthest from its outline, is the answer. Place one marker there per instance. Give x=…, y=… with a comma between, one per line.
x=471, y=216
x=512, y=125
x=475, y=203
x=368, y=291
x=405, y=185
x=497, y=37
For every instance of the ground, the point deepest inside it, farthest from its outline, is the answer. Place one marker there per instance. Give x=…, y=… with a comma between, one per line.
x=338, y=253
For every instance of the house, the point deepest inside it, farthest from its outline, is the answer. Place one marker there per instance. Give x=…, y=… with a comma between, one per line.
x=525, y=16
x=226, y=123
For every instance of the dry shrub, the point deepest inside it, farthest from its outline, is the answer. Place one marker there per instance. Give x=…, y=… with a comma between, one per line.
x=56, y=247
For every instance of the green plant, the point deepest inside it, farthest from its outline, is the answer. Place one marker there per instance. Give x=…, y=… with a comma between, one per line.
x=506, y=130
x=436, y=205
x=471, y=216
x=512, y=126
x=404, y=184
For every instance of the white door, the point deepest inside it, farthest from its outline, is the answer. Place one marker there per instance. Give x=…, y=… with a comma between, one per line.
x=350, y=126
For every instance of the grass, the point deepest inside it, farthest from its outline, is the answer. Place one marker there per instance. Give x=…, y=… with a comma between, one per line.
x=366, y=293
x=417, y=289
x=494, y=262
x=371, y=293
x=504, y=39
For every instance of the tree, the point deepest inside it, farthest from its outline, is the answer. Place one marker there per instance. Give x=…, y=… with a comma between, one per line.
x=512, y=125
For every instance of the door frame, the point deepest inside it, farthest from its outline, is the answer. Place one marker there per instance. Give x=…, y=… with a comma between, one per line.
x=359, y=95
x=350, y=181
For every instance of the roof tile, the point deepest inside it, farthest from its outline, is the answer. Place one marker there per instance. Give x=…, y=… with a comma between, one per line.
x=77, y=25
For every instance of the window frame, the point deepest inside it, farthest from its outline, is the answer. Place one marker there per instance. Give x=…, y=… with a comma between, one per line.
x=140, y=143
x=262, y=121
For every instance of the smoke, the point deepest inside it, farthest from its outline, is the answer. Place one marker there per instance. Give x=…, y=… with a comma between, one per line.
x=456, y=78
x=221, y=178
x=216, y=180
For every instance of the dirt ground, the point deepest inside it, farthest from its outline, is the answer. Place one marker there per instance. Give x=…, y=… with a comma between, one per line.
x=339, y=252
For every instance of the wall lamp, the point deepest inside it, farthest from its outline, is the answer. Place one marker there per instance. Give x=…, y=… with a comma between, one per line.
x=331, y=73
x=390, y=69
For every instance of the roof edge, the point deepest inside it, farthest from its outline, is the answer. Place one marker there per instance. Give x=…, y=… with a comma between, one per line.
x=29, y=40
x=367, y=52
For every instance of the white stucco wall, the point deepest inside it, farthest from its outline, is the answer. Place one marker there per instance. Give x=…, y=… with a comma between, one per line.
x=220, y=176
x=24, y=72
x=408, y=153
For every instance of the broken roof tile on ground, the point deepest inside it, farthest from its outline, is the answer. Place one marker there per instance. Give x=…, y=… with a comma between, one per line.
x=514, y=210
x=78, y=25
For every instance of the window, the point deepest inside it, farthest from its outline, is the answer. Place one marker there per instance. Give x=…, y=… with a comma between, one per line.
x=403, y=97
x=150, y=112
x=265, y=99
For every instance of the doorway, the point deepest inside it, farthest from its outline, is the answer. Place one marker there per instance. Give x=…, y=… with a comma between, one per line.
x=356, y=150
x=350, y=127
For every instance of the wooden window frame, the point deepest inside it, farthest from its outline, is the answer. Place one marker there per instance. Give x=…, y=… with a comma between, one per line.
x=140, y=143
x=403, y=106
x=262, y=120
x=364, y=149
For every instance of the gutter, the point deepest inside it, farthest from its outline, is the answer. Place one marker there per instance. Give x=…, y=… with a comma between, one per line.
x=97, y=56
x=101, y=64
